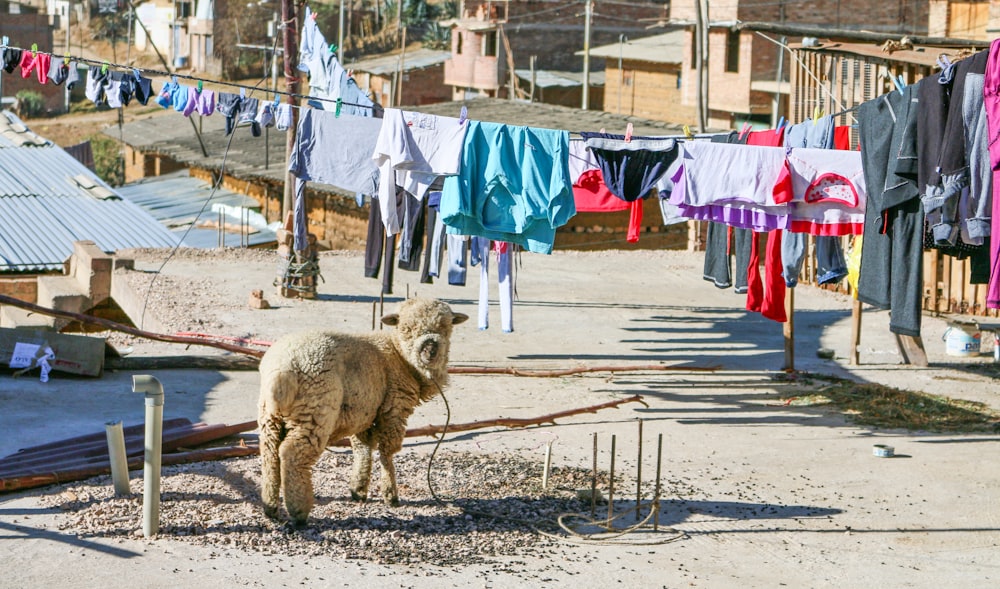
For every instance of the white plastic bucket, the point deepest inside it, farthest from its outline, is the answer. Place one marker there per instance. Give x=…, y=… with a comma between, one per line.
x=962, y=341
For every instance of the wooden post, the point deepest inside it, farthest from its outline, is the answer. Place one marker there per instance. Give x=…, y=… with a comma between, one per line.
x=788, y=329
x=289, y=17
x=854, y=354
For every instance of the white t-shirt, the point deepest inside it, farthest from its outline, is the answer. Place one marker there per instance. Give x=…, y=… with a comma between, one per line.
x=411, y=151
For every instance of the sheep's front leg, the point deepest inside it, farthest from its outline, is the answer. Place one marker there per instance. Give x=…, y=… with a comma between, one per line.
x=361, y=471
x=390, y=442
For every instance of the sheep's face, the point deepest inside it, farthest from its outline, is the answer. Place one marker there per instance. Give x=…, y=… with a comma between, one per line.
x=423, y=332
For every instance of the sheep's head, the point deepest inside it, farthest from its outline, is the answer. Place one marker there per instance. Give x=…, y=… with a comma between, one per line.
x=423, y=334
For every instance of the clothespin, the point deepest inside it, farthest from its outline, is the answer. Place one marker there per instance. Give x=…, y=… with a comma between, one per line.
x=135, y=72
x=333, y=48
x=745, y=129
x=902, y=83
x=628, y=132
x=817, y=113
x=340, y=102
x=943, y=61
x=199, y=86
x=781, y=123
x=243, y=92
x=4, y=41
x=66, y=59
x=34, y=47
x=687, y=132
x=463, y=115
x=104, y=67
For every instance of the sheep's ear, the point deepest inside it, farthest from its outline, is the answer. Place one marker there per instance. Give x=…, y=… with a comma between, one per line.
x=457, y=318
x=391, y=319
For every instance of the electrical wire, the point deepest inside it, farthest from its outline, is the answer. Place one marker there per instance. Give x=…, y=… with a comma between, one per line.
x=160, y=73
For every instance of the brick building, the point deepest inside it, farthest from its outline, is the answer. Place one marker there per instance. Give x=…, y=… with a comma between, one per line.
x=495, y=37
x=743, y=65
x=421, y=72
x=24, y=30
x=643, y=77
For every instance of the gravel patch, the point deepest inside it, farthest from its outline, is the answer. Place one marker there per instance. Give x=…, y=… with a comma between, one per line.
x=491, y=506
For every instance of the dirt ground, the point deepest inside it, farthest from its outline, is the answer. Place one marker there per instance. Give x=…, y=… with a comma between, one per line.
x=757, y=492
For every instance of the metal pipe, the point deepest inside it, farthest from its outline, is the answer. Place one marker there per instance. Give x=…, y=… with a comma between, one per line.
x=153, y=445
x=593, y=482
x=548, y=465
x=117, y=455
x=611, y=483
x=656, y=495
x=638, y=477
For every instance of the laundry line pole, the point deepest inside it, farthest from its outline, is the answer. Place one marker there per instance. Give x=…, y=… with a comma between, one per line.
x=586, y=55
x=290, y=24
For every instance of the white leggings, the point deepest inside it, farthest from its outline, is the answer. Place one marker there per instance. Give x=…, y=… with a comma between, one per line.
x=505, y=283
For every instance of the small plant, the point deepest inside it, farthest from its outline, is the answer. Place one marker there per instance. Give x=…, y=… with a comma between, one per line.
x=109, y=165
x=30, y=103
x=437, y=37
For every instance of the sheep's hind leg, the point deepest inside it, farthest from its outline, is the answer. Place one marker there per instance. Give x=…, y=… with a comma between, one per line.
x=271, y=433
x=299, y=452
x=361, y=470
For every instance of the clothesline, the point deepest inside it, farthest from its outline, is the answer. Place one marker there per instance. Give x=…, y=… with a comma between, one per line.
x=155, y=72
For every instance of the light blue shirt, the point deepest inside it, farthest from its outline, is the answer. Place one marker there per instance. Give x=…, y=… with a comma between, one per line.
x=514, y=185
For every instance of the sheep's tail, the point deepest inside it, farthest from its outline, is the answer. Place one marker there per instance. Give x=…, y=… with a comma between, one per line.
x=276, y=392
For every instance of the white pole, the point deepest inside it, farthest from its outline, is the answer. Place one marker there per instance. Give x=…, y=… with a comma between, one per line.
x=153, y=452
x=116, y=454
x=586, y=55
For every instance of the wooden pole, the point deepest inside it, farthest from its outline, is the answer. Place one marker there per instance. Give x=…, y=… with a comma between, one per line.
x=290, y=21
x=788, y=329
x=854, y=353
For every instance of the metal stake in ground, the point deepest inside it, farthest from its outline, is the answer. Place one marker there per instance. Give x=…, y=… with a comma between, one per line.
x=593, y=483
x=656, y=495
x=638, y=477
x=611, y=483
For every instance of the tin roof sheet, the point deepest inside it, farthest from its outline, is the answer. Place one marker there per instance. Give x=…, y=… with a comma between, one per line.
x=48, y=200
x=177, y=200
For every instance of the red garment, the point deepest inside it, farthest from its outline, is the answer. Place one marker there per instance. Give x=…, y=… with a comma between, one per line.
x=767, y=138
x=842, y=137
x=591, y=195
x=766, y=296
x=38, y=61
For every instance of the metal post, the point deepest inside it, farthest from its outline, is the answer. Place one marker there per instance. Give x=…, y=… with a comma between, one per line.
x=638, y=477
x=611, y=484
x=656, y=495
x=586, y=55
x=593, y=482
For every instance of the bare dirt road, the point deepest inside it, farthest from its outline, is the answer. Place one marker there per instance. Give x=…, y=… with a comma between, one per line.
x=758, y=492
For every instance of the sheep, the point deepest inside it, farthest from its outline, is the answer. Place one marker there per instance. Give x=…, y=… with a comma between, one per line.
x=318, y=387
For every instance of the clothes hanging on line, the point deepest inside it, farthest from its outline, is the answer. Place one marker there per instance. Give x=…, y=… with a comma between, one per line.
x=411, y=150
x=514, y=185
x=592, y=195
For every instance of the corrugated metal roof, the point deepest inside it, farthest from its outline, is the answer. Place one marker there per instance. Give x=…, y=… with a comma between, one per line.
x=412, y=60
x=553, y=79
x=48, y=200
x=14, y=133
x=665, y=48
x=177, y=200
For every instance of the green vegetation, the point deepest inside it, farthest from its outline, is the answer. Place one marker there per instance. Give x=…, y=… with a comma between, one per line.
x=30, y=103
x=109, y=164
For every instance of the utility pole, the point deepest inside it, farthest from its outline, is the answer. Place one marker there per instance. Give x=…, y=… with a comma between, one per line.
x=290, y=22
x=586, y=55
x=340, y=33
x=701, y=61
